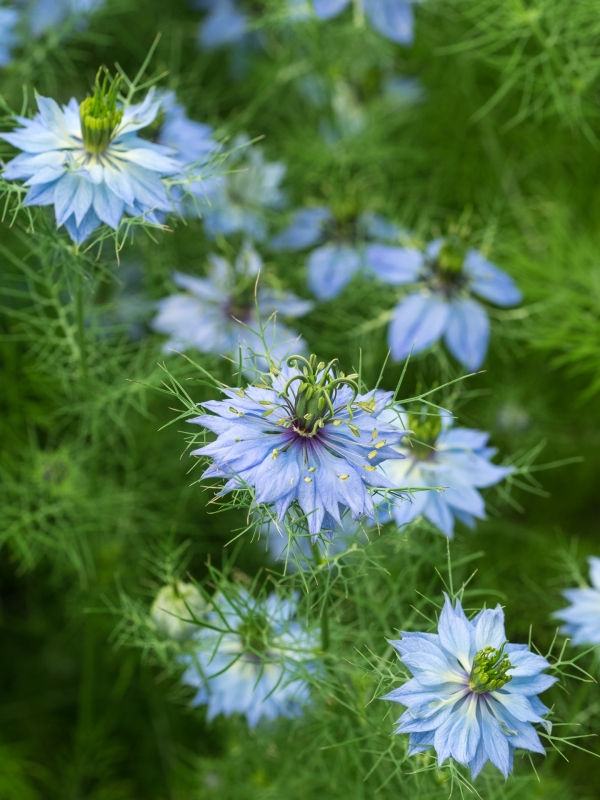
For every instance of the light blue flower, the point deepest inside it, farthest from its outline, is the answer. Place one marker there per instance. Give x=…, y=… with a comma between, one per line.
x=393, y=19
x=441, y=456
x=443, y=304
x=9, y=18
x=45, y=16
x=582, y=617
x=473, y=697
x=220, y=313
x=256, y=663
x=340, y=254
x=237, y=202
x=304, y=438
x=294, y=551
x=88, y=162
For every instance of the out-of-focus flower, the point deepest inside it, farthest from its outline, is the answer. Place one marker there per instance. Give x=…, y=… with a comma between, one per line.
x=88, y=162
x=9, y=18
x=393, y=19
x=44, y=16
x=175, y=608
x=441, y=456
x=473, y=696
x=221, y=313
x=256, y=661
x=237, y=202
x=582, y=617
x=341, y=238
x=306, y=437
x=442, y=304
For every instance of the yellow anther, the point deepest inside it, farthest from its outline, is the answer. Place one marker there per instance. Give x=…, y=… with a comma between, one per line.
x=375, y=434
x=372, y=454
x=274, y=454
x=307, y=480
x=337, y=422
x=312, y=469
x=369, y=468
x=343, y=477
x=380, y=444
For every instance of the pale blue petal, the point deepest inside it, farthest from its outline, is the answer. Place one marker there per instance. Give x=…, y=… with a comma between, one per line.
x=468, y=332
x=438, y=512
x=490, y=282
x=327, y=9
x=392, y=19
x=594, y=571
x=455, y=634
x=224, y=25
x=419, y=320
x=489, y=629
x=330, y=268
x=395, y=265
x=305, y=230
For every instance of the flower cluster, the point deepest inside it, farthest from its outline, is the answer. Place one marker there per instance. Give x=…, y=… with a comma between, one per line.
x=253, y=658
x=305, y=436
x=89, y=163
x=442, y=303
x=224, y=312
x=341, y=237
x=473, y=696
x=582, y=617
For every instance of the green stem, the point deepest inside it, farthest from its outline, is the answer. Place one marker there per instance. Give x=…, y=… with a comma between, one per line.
x=316, y=553
x=81, y=325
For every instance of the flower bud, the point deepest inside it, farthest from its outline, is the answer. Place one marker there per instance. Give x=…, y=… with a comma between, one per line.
x=174, y=608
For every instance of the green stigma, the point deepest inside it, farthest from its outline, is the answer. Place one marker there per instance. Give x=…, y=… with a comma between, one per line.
x=489, y=670
x=99, y=114
x=451, y=257
x=426, y=428
x=315, y=393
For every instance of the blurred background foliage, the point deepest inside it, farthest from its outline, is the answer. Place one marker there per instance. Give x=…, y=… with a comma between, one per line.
x=507, y=127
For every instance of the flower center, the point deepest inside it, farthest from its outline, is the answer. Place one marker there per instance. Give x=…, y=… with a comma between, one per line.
x=99, y=114
x=448, y=266
x=426, y=428
x=313, y=403
x=489, y=669
x=253, y=633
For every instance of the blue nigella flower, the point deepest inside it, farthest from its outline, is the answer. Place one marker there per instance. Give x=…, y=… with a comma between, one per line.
x=582, y=617
x=220, y=313
x=257, y=660
x=295, y=551
x=393, y=19
x=342, y=241
x=237, y=202
x=45, y=16
x=9, y=18
x=473, y=697
x=87, y=160
x=441, y=456
x=304, y=436
x=442, y=304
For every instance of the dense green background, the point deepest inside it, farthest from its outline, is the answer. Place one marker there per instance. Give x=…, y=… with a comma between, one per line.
x=91, y=492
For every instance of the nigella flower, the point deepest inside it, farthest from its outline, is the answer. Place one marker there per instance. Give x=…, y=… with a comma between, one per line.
x=442, y=304
x=220, y=313
x=256, y=661
x=9, y=18
x=44, y=16
x=296, y=551
x=304, y=437
x=441, y=456
x=237, y=202
x=582, y=617
x=391, y=18
x=341, y=238
x=87, y=160
x=473, y=696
